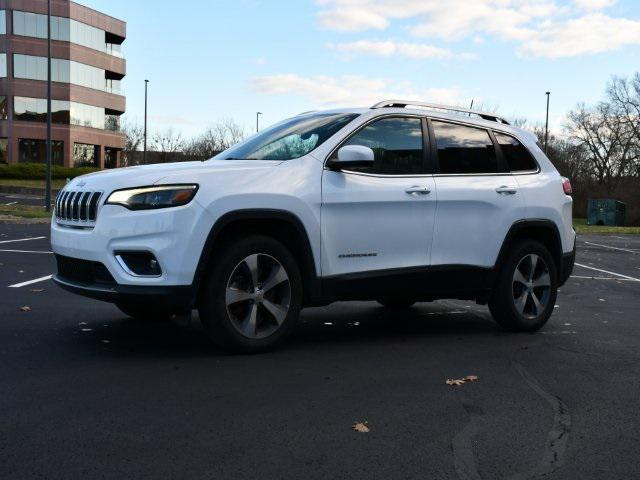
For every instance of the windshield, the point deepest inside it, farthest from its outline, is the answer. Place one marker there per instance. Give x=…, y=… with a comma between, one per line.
x=289, y=139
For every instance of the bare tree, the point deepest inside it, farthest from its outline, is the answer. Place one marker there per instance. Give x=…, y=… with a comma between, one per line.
x=215, y=139
x=168, y=143
x=134, y=138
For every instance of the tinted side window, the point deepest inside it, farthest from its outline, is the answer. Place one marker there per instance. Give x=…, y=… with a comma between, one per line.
x=464, y=149
x=396, y=143
x=518, y=157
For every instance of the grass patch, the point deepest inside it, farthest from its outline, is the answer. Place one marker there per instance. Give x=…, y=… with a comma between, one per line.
x=580, y=225
x=18, y=182
x=24, y=211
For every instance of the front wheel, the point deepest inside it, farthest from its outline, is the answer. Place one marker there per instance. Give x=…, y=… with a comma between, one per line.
x=526, y=290
x=252, y=296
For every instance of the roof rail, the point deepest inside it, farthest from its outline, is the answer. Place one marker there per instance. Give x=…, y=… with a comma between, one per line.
x=404, y=103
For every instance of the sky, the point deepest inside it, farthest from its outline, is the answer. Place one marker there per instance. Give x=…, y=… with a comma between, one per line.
x=214, y=59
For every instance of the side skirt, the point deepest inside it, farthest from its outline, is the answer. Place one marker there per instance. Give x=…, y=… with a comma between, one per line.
x=463, y=282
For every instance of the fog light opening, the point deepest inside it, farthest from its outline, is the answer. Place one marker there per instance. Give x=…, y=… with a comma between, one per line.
x=139, y=264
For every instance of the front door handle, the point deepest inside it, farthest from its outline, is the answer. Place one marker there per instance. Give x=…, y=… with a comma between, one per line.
x=416, y=190
x=505, y=190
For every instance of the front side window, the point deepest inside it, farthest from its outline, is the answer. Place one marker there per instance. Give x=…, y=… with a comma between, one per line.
x=290, y=139
x=397, y=144
x=464, y=150
x=518, y=157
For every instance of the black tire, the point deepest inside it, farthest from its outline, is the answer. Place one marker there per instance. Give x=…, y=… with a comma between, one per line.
x=144, y=313
x=396, y=303
x=222, y=322
x=505, y=302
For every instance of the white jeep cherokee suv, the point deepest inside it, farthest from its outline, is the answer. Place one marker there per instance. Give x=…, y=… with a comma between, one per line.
x=400, y=203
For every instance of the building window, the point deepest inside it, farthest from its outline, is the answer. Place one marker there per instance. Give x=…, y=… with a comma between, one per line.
x=3, y=22
x=64, y=112
x=29, y=24
x=4, y=108
x=4, y=143
x=85, y=155
x=3, y=65
x=63, y=71
x=35, y=151
x=35, y=110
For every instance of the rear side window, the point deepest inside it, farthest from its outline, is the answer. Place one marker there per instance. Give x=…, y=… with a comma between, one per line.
x=396, y=144
x=518, y=157
x=463, y=149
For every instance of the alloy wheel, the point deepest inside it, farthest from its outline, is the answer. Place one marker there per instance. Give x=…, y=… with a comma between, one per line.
x=531, y=286
x=258, y=296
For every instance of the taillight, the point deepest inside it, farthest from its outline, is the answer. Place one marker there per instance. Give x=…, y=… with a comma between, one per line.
x=566, y=186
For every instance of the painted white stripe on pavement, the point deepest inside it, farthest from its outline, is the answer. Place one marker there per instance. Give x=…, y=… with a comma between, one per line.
x=31, y=282
x=580, y=277
x=607, y=271
x=23, y=240
x=612, y=248
x=24, y=251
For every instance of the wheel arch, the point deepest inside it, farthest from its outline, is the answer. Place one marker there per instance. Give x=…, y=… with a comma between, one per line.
x=279, y=224
x=540, y=230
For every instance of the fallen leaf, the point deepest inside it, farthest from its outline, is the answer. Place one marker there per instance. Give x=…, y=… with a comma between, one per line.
x=361, y=427
x=37, y=290
x=25, y=309
x=461, y=381
x=457, y=383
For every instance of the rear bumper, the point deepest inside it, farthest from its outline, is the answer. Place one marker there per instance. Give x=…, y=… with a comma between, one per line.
x=566, y=268
x=176, y=299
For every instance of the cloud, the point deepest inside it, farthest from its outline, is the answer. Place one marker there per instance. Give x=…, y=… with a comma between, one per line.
x=569, y=27
x=349, y=89
x=593, y=4
x=592, y=33
x=389, y=48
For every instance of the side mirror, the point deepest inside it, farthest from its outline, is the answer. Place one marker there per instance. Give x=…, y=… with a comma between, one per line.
x=352, y=156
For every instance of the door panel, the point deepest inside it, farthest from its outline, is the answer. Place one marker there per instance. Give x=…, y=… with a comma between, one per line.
x=375, y=223
x=473, y=218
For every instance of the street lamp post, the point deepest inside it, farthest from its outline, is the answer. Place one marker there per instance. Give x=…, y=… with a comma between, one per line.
x=146, y=89
x=49, y=149
x=546, y=128
x=258, y=121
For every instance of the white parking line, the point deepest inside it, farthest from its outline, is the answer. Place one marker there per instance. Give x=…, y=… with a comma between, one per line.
x=607, y=271
x=24, y=251
x=10, y=203
x=612, y=248
x=22, y=240
x=31, y=282
x=580, y=277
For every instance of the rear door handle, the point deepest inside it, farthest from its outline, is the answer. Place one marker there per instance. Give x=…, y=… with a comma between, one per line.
x=505, y=190
x=417, y=190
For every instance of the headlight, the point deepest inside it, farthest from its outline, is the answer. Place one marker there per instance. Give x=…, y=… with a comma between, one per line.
x=149, y=198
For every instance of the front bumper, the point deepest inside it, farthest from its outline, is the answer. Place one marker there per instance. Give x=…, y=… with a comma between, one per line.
x=175, y=299
x=174, y=236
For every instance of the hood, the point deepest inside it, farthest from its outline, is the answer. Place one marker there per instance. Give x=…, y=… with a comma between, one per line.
x=145, y=175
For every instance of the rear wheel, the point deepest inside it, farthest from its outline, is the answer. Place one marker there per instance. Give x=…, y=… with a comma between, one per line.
x=527, y=287
x=252, y=297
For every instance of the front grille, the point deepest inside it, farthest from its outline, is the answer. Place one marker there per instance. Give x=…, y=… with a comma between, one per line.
x=77, y=206
x=83, y=271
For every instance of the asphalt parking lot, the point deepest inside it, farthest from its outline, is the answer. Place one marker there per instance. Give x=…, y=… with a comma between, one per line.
x=89, y=393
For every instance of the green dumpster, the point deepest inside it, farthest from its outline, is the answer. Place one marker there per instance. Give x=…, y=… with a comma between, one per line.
x=606, y=211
